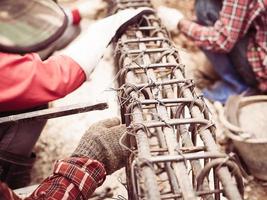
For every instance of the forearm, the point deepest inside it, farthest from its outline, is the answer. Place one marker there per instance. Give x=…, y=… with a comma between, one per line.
x=215, y=38
x=231, y=25
x=26, y=81
x=75, y=178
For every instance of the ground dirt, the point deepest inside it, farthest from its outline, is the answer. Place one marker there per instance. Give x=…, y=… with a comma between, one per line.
x=61, y=135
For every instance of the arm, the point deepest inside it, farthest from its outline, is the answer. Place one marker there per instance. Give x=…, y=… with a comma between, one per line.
x=73, y=178
x=78, y=176
x=26, y=81
x=230, y=26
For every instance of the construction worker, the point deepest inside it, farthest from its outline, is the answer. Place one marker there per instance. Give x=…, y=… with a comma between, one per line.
x=27, y=82
x=233, y=35
x=97, y=155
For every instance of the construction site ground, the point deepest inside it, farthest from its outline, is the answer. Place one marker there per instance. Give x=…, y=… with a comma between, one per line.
x=62, y=135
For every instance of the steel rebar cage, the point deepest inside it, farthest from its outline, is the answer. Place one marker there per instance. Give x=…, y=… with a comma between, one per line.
x=170, y=132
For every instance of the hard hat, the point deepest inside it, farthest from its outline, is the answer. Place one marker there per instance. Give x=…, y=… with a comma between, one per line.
x=30, y=26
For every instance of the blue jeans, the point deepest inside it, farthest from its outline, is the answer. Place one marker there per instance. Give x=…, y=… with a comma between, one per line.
x=233, y=68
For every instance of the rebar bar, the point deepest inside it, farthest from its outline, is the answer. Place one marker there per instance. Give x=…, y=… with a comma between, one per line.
x=50, y=113
x=165, y=118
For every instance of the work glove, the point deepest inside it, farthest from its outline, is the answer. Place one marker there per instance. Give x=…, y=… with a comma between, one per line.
x=88, y=49
x=101, y=142
x=170, y=17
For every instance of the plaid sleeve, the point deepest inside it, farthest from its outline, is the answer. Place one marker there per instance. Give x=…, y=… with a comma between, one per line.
x=231, y=25
x=73, y=178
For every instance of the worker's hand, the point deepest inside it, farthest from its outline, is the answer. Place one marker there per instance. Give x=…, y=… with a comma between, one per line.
x=101, y=142
x=88, y=49
x=170, y=17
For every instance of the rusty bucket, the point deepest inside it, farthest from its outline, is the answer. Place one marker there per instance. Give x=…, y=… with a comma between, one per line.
x=245, y=119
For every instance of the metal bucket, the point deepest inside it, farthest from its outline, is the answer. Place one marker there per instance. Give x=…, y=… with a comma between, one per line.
x=246, y=121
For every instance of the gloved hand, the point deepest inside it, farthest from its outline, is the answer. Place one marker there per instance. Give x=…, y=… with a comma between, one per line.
x=170, y=17
x=101, y=142
x=88, y=49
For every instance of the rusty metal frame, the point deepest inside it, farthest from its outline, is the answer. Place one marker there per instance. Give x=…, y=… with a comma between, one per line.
x=170, y=133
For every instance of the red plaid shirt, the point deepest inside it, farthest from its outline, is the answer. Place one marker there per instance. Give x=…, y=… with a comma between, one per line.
x=73, y=178
x=236, y=18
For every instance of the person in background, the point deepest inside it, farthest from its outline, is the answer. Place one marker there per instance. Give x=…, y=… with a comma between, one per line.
x=233, y=35
x=27, y=82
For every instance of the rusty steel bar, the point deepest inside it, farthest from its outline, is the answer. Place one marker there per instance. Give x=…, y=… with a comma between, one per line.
x=167, y=119
x=49, y=113
x=179, y=168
